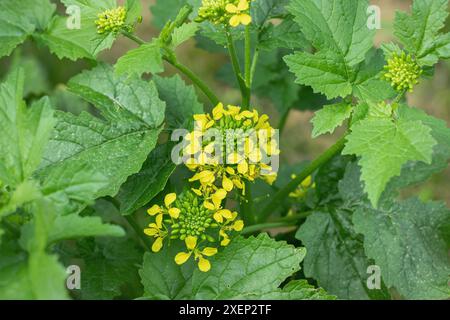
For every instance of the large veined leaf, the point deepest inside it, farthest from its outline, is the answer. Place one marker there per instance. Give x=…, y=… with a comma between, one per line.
x=385, y=146
x=18, y=22
x=24, y=131
x=120, y=98
x=143, y=186
x=420, y=31
x=114, y=150
x=247, y=269
x=338, y=30
x=252, y=268
x=404, y=240
x=264, y=10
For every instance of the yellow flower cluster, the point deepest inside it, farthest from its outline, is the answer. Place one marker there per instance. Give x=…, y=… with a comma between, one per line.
x=219, y=170
x=303, y=188
x=112, y=20
x=186, y=219
x=232, y=12
x=402, y=71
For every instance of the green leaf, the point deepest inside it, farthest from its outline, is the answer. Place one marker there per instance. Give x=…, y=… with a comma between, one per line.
x=162, y=278
x=145, y=59
x=143, y=186
x=73, y=226
x=404, y=240
x=419, y=32
x=72, y=185
x=264, y=10
x=120, y=99
x=165, y=10
x=114, y=150
x=85, y=42
x=287, y=34
x=24, y=132
x=184, y=33
x=247, y=269
x=181, y=101
x=335, y=253
x=18, y=22
x=325, y=72
x=297, y=290
x=385, y=146
x=25, y=192
x=415, y=172
x=338, y=30
x=330, y=117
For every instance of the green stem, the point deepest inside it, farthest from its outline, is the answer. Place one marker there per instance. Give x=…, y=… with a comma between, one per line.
x=283, y=120
x=283, y=222
x=247, y=205
x=196, y=80
x=248, y=57
x=254, y=64
x=245, y=92
x=309, y=170
x=183, y=69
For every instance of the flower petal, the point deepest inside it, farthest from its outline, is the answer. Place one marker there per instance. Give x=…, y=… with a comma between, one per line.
x=151, y=232
x=191, y=242
x=238, y=225
x=227, y=184
x=235, y=21
x=243, y=5
x=154, y=210
x=182, y=257
x=158, y=220
x=174, y=212
x=169, y=199
x=157, y=245
x=204, y=265
x=209, y=251
x=231, y=8
x=245, y=19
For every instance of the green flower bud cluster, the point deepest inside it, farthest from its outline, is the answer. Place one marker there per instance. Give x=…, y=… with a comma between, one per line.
x=402, y=71
x=112, y=20
x=215, y=11
x=194, y=220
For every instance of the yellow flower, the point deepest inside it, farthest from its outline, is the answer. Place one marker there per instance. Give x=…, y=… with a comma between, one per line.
x=191, y=244
x=231, y=224
x=303, y=188
x=154, y=230
x=240, y=13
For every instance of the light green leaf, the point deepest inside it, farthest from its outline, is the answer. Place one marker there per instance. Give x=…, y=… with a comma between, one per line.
x=25, y=192
x=120, y=99
x=324, y=72
x=338, y=30
x=247, y=269
x=415, y=172
x=405, y=241
x=18, y=22
x=184, y=33
x=419, y=32
x=114, y=150
x=384, y=147
x=73, y=226
x=145, y=59
x=142, y=187
x=330, y=117
x=83, y=42
x=72, y=185
x=181, y=101
x=162, y=278
x=24, y=132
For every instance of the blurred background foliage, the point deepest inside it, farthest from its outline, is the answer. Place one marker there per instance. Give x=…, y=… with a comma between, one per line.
x=274, y=88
